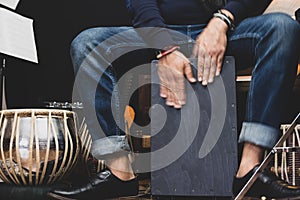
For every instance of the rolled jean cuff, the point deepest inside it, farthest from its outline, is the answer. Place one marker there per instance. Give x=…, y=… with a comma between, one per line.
x=109, y=146
x=259, y=134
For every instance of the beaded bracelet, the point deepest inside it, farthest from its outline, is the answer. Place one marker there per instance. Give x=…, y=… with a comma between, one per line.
x=225, y=18
x=166, y=52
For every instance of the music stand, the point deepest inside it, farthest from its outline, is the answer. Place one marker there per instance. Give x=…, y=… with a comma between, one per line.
x=2, y=71
x=17, y=40
x=277, y=148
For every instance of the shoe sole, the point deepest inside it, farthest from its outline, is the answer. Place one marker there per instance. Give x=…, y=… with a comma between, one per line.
x=55, y=196
x=136, y=197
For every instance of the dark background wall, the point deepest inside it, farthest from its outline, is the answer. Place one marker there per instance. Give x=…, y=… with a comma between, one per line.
x=56, y=23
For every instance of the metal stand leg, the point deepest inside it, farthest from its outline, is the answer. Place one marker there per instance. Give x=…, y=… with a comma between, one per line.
x=2, y=67
x=268, y=158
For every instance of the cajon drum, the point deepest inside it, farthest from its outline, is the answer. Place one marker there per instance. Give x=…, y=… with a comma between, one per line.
x=194, y=149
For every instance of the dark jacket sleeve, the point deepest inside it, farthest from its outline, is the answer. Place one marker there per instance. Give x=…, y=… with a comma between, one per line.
x=146, y=13
x=242, y=9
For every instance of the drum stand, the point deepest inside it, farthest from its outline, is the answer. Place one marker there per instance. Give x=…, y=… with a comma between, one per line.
x=277, y=148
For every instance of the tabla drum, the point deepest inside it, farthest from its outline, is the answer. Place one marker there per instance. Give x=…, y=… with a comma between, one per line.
x=37, y=146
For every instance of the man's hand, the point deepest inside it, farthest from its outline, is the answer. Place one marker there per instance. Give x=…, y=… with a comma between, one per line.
x=210, y=48
x=171, y=70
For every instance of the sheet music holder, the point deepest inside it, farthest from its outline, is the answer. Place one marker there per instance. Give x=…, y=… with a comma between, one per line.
x=12, y=4
x=16, y=39
x=17, y=36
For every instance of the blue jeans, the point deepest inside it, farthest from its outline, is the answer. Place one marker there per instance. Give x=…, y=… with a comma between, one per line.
x=269, y=43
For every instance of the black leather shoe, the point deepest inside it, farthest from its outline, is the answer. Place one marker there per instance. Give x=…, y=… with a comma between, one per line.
x=266, y=185
x=101, y=186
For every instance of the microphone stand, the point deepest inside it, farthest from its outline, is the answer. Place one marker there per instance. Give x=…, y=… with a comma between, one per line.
x=277, y=148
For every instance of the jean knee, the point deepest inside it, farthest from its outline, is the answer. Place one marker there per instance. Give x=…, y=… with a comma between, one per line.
x=85, y=42
x=284, y=28
x=90, y=39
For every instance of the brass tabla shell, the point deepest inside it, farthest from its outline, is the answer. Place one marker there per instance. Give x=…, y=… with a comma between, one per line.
x=37, y=146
